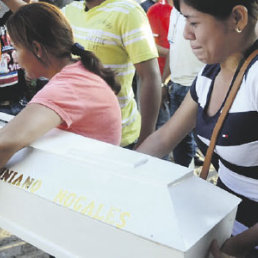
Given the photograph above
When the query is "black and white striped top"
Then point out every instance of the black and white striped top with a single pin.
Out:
(236, 151)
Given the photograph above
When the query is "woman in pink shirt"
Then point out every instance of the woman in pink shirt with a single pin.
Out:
(80, 95)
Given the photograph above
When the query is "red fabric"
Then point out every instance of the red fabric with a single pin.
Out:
(159, 15)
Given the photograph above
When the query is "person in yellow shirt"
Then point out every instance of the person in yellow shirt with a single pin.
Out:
(119, 34)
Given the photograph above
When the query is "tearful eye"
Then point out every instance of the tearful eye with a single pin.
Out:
(193, 24)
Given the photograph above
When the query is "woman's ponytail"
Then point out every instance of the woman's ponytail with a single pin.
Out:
(93, 64)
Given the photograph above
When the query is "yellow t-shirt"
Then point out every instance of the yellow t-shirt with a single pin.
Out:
(118, 32)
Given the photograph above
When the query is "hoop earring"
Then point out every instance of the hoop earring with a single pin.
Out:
(238, 30)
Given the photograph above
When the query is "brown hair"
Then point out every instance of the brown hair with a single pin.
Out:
(45, 24)
(221, 9)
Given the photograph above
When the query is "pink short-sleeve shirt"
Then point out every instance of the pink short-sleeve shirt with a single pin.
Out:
(85, 103)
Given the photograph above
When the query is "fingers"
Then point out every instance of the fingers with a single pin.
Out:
(215, 250)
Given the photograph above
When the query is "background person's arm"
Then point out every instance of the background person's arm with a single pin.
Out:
(150, 95)
(166, 72)
(30, 124)
(170, 134)
(162, 50)
(13, 5)
(165, 79)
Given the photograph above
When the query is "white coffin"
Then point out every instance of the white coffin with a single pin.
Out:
(76, 197)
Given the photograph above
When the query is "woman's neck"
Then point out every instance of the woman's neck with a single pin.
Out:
(230, 64)
(56, 65)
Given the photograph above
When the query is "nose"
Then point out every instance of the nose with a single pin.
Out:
(188, 32)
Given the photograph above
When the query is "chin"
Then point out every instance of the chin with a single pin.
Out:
(206, 60)
(203, 59)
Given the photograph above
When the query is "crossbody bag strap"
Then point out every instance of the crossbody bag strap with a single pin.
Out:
(228, 104)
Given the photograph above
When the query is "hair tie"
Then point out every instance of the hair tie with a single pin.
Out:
(77, 49)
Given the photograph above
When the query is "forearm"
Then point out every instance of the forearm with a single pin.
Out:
(170, 134)
(162, 50)
(243, 243)
(5, 155)
(166, 71)
(150, 99)
(8, 146)
(156, 144)
(13, 5)
(165, 139)
(30, 124)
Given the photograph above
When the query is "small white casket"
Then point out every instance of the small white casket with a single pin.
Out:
(76, 197)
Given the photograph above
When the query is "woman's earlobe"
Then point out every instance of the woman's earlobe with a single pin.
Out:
(238, 30)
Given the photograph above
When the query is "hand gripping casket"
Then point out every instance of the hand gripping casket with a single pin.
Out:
(76, 197)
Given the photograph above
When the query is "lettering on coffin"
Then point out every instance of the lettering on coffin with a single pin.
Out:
(15, 178)
(113, 216)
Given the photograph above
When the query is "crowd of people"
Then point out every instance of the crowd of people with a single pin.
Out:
(88, 53)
